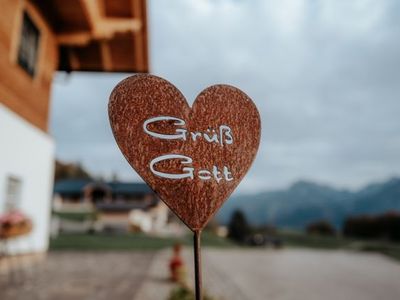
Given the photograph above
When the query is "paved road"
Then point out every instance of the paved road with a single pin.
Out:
(300, 275)
(79, 275)
(287, 274)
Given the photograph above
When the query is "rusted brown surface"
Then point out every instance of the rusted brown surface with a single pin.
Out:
(142, 97)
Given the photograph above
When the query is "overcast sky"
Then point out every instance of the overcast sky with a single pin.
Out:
(325, 76)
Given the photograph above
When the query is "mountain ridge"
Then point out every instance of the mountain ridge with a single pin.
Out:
(306, 201)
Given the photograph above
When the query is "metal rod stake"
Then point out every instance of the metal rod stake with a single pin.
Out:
(197, 264)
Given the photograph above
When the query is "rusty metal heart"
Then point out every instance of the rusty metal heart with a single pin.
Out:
(193, 158)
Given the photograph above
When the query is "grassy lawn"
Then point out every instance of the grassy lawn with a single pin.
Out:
(299, 239)
(133, 241)
(139, 241)
(76, 216)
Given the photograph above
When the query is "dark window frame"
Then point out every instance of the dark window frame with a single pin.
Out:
(29, 43)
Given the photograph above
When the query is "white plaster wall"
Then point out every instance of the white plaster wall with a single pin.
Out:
(27, 152)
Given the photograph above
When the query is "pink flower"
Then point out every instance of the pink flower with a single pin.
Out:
(12, 218)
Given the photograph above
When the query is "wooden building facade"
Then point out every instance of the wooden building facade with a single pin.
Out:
(37, 38)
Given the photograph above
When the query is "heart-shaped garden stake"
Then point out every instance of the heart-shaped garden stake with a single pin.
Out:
(193, 158)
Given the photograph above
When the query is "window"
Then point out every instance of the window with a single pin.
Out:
(29, 45)
(13, 192)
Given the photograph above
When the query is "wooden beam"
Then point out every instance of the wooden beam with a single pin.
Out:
(145, 37)
(103, 27)
(105, 31)
(137, 10)
(75, 38)
(92, 12)
(106, 56)
(108, 27)
(73, 60)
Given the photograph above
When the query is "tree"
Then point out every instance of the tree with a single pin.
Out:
(70, 171)
(321, 227)
(238, 228)
(385, 226)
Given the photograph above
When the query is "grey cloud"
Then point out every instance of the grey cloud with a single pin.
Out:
(324, 75)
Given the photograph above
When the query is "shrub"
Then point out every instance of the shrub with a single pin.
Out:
(386, 226)
(238, 228)
(321, 227)
(184, 293)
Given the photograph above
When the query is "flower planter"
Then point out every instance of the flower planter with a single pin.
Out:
(14, 224)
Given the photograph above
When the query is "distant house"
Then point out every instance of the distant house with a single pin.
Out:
(38, 38)
(119, 205)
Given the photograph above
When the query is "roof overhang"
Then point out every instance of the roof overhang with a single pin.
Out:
(99, 35)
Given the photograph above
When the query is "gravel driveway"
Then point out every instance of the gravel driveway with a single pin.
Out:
(80, 275)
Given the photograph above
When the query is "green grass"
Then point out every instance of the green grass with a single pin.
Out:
(140, 242)
(209, 239)
(133, 241)
(109, 242)
(299, 239)
(76, 216)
